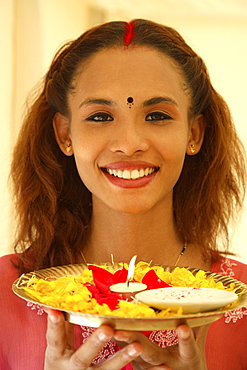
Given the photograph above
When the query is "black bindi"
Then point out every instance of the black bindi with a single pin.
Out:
(130, 101)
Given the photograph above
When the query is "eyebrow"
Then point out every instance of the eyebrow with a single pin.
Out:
(97, 101)
(159, 99)
(146, 103)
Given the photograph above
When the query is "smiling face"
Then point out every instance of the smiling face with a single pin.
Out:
(129, 128)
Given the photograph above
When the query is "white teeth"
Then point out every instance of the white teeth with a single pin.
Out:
(133, 175)
(126, 174)
(141, 173)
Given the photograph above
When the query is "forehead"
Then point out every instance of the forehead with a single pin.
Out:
(135, 71)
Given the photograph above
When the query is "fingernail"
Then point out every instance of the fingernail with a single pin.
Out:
(184, 334)
(54, 318)
(102, 336)
(132, 350)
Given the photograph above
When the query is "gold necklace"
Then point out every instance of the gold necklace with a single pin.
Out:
(175, 264)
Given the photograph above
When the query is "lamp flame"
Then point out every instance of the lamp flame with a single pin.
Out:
(131, 269)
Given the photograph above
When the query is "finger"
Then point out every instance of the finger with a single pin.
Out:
(123, 357)
(152, 354)
(84, 355)
(187, 347)
(56, 334)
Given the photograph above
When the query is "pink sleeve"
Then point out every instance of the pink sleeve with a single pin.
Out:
(227, 337)
(22, 330)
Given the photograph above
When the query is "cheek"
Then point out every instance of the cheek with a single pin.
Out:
(85, 146)
(87, 152)
(85, 170)
(173, 153)
(173, 146)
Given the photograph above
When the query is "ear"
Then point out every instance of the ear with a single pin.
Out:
(61, 129)
(196, 135)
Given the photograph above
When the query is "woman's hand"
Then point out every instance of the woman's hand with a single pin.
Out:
(60, 354)
(187, 355)
(143, 354)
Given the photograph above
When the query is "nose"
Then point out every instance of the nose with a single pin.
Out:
(129, 138)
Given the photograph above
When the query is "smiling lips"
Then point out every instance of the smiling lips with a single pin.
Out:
(127, 177)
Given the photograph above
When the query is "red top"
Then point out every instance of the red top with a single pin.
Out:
(23, 328)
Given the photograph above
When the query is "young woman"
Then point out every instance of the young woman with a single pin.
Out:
(128, 149)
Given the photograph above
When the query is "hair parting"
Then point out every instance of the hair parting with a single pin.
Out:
(129, 33)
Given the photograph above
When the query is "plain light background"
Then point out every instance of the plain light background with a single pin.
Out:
(32, 30)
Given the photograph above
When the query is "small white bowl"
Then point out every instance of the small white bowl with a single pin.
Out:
(128, 291)
(192, 300)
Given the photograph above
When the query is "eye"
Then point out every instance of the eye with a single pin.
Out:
(100, 117)
(158, 116)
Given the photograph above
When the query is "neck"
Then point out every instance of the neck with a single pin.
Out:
(152, 236)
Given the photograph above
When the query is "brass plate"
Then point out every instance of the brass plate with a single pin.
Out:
(121, 323)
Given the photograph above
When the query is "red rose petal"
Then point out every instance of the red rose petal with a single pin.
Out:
(103, 279)
(111, 299)
(153, 281)
(120, 276)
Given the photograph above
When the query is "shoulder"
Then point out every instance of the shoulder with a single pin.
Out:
(8, 269)
(8, 274)
(8, 262)
(232, 268)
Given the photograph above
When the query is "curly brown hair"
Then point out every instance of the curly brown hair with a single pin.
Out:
(52, 203)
